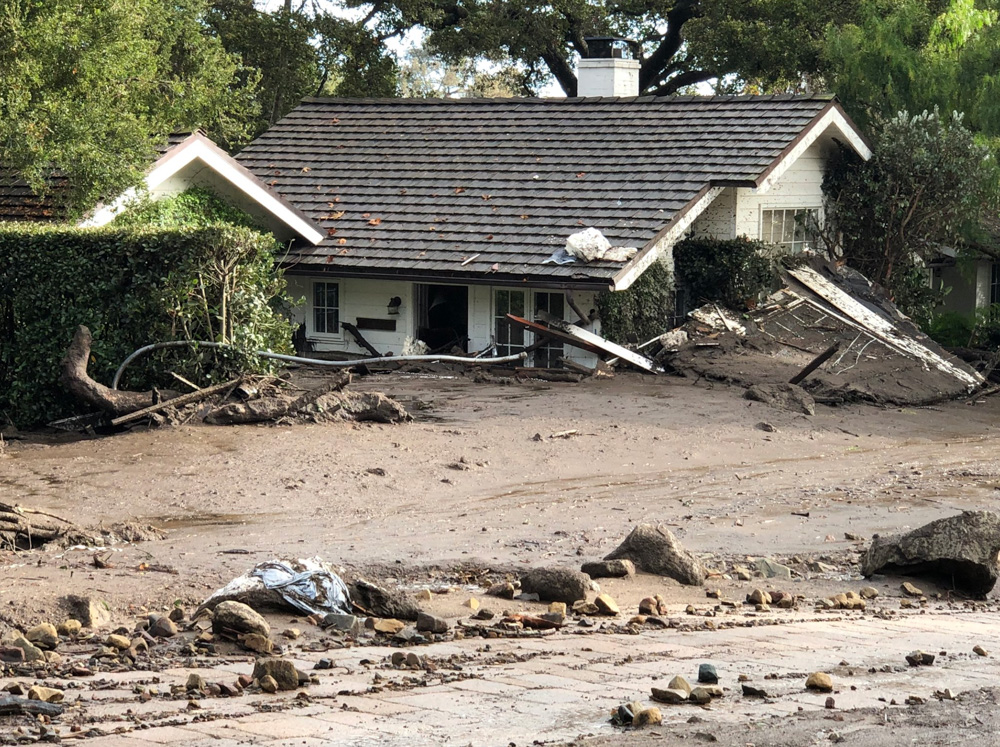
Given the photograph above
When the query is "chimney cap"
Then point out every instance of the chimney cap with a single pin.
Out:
(607, 47)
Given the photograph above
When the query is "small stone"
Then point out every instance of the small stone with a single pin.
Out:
(268, 684)
(707, 674)
(291, 633)
(919, 658)
(324, 663)
(770, 569)
(583, 607)
(347, 623)
(759, 596)
(424, 595)
(43, 635)
(472, 603)
(413, 661)
(503, 590)
(648, 606)
(648, 717)
(118, 642)
(869, 592)
(69, 628)
(820, 681)
(163, 627)
(45, 694)
(257, 643)
(980, 651)
(398, 658)
(233, 618)
(282, 670)
(484, 614)
(176, 614)
(749, 691)
(670, 695)
(679, 683)
(554, 617)
(388, 625)
(701, 695)
(910, 590)
(830, 703)
(431, 624)
(606, 604)
(31, 652)
(621, 568)
(742, 573)
(556, 584)
(195, 682)
(558, 607)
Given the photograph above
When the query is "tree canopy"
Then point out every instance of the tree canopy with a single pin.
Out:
(88, 88)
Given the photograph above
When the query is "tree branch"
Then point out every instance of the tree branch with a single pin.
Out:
(561, 70)
(671, 42)
(690, 78)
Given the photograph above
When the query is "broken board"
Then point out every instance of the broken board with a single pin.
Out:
(581, 338)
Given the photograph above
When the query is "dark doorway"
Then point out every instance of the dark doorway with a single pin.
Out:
(443, 316)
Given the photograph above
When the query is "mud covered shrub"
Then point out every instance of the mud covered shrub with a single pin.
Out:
(642, 311)
(131, 286)
(951, 329)
(731, 272)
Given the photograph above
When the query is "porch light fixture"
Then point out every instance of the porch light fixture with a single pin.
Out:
(394, 303)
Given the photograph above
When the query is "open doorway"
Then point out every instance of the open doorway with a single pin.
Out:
(443, 316)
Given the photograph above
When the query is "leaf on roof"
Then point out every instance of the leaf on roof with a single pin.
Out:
(331, 231)
(525, 217)
(490, 237)
(333, 216)
(486, 197)
(581, 174)
(329, 259)
(494, 267)
(432, 228)
(374, 221)
(341, 241)
(335, 201)
(306, 169)
(342, 252)
(403, 191)
(335, 121)
(272, 182)
(277, 172)
(366, 215)
(459, 190)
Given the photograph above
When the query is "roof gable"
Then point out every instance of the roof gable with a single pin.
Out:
(424, 186)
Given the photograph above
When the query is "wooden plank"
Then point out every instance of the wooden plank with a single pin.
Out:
(581, 338)
(184, 399)
(361, 339)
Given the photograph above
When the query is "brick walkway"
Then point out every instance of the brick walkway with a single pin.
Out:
(550, 689)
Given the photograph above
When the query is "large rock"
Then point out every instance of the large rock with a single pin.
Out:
(92, 613)
(609, 569)
(960, 550)
(556, 584)
(234, 618)
(654, 549)
(783, 397)
(43, 635)
(283, 671)
(382, 602)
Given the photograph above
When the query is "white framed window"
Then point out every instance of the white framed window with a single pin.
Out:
(326, 308)
(789, 228)
(548, 355)
(509, 337)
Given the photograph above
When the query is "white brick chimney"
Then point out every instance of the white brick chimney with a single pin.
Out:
(605, 72)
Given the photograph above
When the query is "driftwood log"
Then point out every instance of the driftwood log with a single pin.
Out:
(271, 408)
(12, 705)
(78, 382)
(18, 532)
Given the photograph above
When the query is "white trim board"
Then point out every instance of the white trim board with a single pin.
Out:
(200, 148)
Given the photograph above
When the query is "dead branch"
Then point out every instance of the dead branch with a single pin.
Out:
(184, 399)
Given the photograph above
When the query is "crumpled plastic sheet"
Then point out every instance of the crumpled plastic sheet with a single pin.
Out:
(308, 585)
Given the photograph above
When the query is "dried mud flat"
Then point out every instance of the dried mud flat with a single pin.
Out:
(480, 486)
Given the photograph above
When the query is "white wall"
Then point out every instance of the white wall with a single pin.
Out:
(801, 186)
(718, 220)
(370, 298)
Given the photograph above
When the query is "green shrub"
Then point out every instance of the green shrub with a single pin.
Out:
(641, 312)
(131, 286)
(731, 272)
(951, 329)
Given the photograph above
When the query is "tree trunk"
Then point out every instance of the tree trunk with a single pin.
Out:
(77, 381)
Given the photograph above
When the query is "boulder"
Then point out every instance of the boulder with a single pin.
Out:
(609, 568)
(382, 602)
(783, 397)
(45, 694)
(234, 618)
(162, 627)
(961, 550)
(91, 612)
(654, 549)
(283, 671)
(43, 635)
(69, 628)
(556, 584)
(606, 604)
(431, 624)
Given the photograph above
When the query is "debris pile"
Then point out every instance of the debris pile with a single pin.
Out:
(246, 399)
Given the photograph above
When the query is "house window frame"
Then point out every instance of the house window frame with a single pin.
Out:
(495, 317)
(339, 334)
(796, 245)
(552, 345)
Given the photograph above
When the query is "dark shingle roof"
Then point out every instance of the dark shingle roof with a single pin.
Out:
(423, 185)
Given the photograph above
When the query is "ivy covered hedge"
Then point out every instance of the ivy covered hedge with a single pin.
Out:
(131, 286)
(731, 272)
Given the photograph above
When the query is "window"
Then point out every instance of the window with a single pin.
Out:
(548, 355)
(326, 308)
(509, 338)
(789, 229)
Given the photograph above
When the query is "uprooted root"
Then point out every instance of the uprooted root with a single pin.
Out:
(19, 532)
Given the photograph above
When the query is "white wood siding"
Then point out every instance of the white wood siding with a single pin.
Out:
(801, 186)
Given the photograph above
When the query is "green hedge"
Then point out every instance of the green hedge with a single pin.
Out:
(131, 286)
(730, 272)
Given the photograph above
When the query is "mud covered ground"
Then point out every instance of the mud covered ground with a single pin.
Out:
(480, 486)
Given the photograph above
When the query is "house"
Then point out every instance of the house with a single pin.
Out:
(433, 219)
